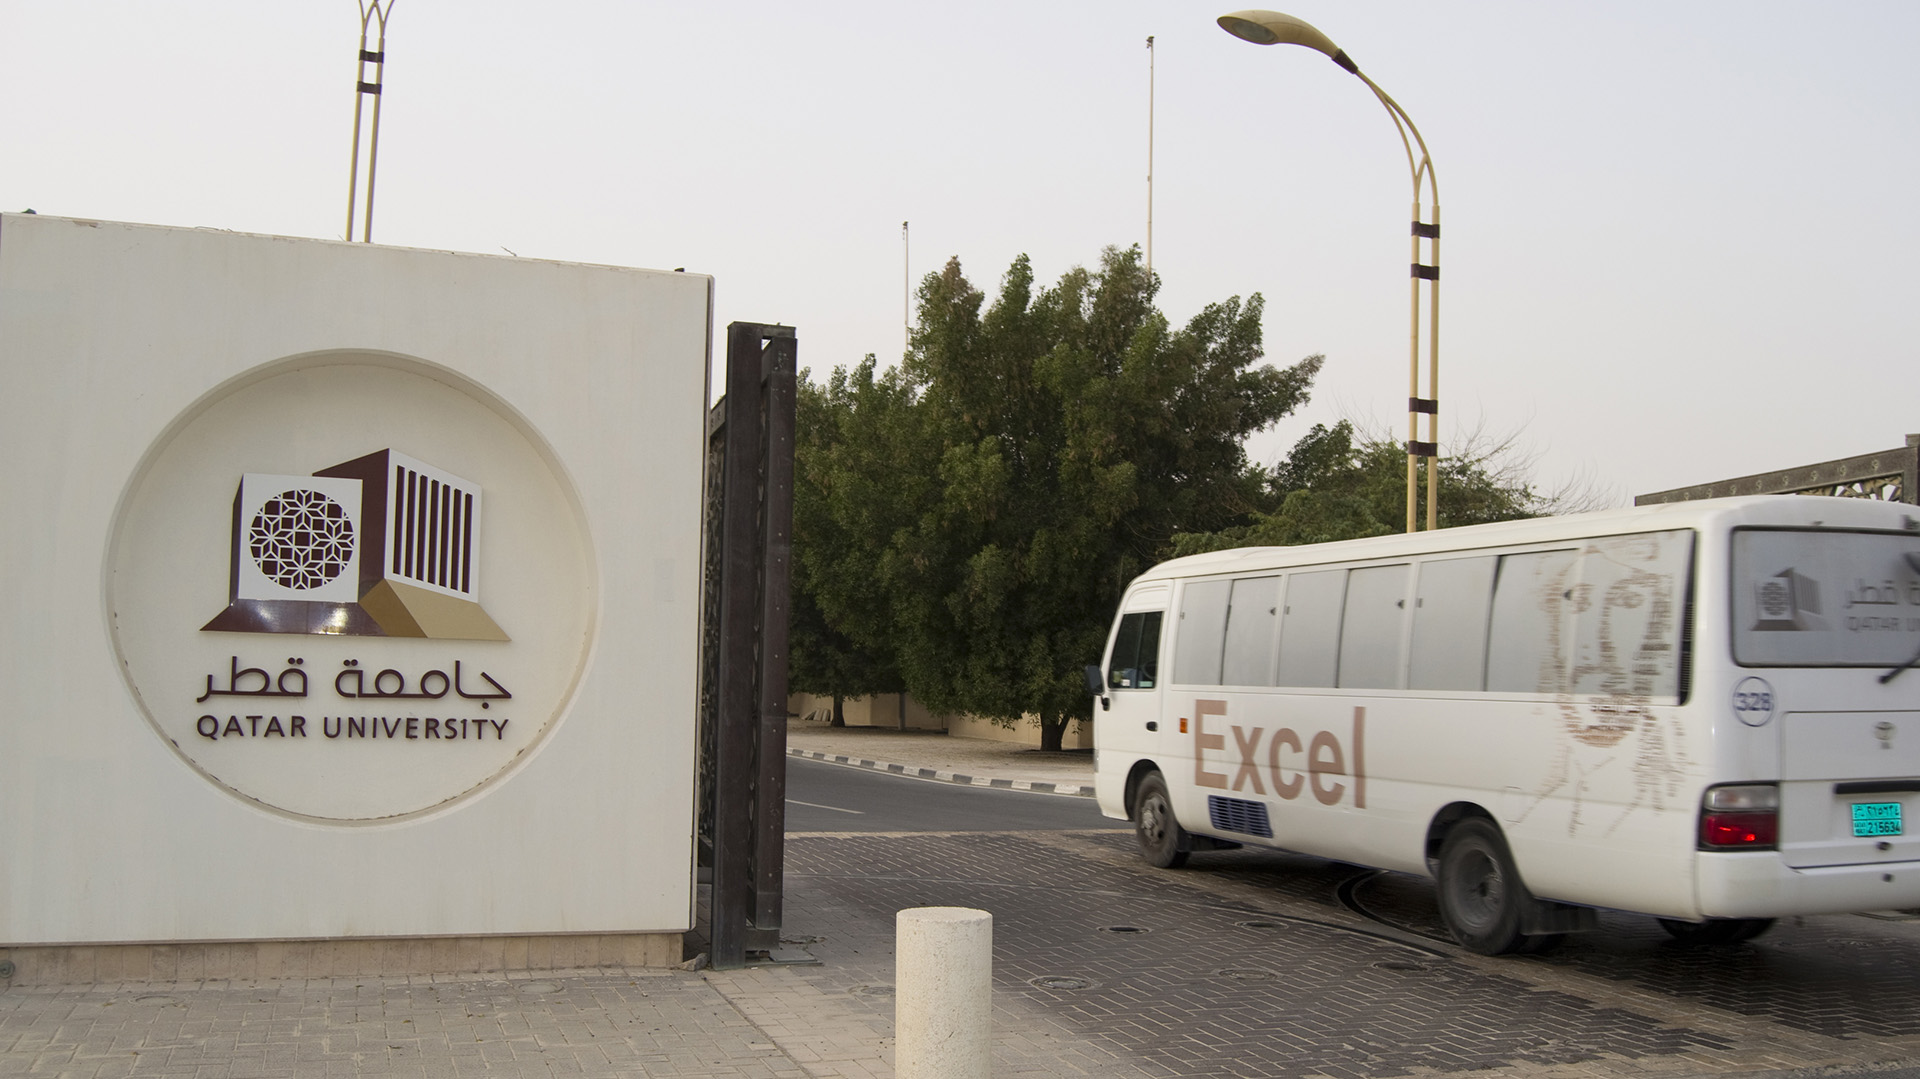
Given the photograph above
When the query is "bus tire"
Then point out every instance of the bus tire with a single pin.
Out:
(1481, 898)
(1715, 930)
(1163, 843)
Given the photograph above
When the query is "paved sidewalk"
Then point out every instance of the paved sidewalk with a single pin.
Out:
(977, 762)
(766, 1022)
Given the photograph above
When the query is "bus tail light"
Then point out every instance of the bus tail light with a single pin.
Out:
(1744, 816)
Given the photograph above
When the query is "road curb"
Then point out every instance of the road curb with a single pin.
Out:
(1072, 790)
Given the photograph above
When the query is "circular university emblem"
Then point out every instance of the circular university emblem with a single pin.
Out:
(400, 577)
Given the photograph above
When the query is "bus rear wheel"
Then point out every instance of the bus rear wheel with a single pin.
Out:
(1163, 843)
(1716, 930)
(1481, 898)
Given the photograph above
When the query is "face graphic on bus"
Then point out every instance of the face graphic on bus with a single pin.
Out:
(1612, 620)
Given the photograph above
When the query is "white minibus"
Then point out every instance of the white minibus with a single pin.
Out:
(1695, 711)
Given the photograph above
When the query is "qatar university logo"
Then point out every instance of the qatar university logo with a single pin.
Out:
(383, 545)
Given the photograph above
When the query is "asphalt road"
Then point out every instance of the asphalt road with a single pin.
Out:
(835, 798)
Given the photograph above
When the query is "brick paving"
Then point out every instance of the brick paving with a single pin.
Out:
(1249, 963)
(580, 1023)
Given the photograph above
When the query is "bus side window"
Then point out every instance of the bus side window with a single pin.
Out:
(1253, 632)
(1626, 625)
(1198, 642)
(1136, 652)
(1533, 600)
(1450, 607)
(1310, 628)
(1370, 630)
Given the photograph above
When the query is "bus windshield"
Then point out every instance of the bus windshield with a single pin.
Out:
(1825, 598)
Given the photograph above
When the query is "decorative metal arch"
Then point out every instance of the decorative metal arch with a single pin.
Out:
(1891, 475)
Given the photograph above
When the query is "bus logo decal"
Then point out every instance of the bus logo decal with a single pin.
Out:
(1787, 600)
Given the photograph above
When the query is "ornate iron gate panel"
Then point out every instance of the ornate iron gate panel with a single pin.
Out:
(1890, 475)
(741, 784)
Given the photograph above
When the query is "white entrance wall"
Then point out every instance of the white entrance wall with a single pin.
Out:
(172, 394)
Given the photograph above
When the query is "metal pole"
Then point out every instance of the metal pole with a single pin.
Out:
(1422, 171)
(1413, 390)
(353, 165)
(780, 366)
(906, 292)
(369, 13)
(1149, 157)
(1433, 375)
(1273, 28)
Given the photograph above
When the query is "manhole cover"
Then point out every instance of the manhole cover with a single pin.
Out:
(1247, 974)
(1122, 929)
(872, 990)
(539, 989)
(1057, 981)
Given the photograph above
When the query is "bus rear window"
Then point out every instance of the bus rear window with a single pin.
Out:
(1825, 598)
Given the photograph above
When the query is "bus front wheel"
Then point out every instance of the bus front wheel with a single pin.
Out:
(1163, 843)
(1481, 898)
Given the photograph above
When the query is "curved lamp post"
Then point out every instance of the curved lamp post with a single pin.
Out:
(1273, 28)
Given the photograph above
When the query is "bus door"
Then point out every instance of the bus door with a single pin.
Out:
(1131, 725)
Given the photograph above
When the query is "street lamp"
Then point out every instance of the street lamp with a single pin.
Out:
(1273, 28)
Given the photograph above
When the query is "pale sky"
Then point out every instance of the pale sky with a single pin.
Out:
(1677, 245)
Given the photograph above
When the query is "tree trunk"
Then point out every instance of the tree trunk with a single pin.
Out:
(1051, 732)
(839, 713)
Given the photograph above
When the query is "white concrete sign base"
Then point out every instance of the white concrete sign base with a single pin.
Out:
(352, 592)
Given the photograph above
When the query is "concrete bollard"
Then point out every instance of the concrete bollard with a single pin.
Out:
(943, 993)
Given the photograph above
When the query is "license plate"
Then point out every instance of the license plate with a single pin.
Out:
(1876, 818)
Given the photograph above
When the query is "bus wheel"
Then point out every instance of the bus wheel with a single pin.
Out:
(1163, 843)
(1481, 898)
(1716, 930)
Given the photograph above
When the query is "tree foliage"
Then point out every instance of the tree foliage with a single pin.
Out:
(1335, 484)
(967, 521)
(849, 500)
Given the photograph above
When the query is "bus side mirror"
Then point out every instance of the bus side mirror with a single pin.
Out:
(1097, 685)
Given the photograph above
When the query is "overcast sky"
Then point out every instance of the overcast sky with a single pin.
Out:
(1681, 239)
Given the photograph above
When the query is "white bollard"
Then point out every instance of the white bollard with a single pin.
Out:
(943, 993)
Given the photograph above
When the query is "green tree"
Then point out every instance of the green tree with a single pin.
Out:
(849, 499)
(1335, 484)
(1057, 443)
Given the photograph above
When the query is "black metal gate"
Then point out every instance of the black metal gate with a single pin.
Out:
(740, 788)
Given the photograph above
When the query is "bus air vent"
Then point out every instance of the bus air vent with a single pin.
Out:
(1239, 815)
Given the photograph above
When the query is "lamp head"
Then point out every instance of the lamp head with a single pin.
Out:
(1273, 28)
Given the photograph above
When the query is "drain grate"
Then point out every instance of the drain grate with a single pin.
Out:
(1060, 981)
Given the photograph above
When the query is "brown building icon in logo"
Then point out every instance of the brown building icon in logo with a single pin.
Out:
(380, 546)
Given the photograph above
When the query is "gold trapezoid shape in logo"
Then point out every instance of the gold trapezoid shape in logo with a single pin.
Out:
(405, 610)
